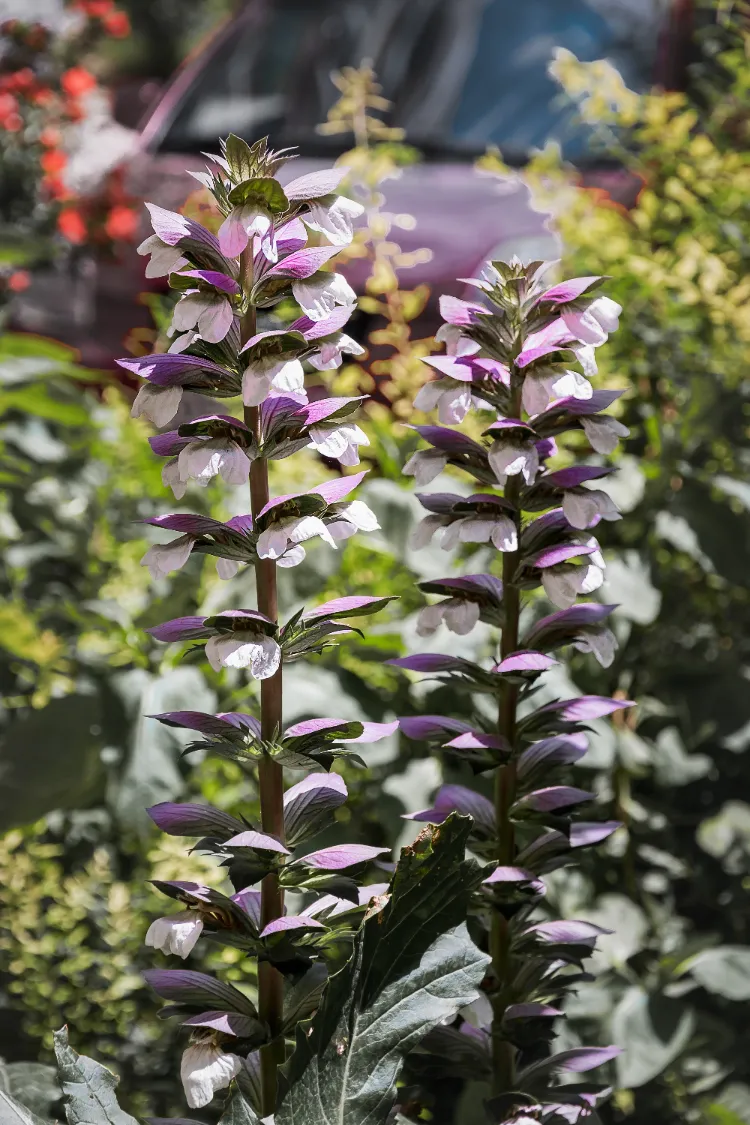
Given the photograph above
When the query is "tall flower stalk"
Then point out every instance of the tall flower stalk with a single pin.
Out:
(259, 258)
(525, 352)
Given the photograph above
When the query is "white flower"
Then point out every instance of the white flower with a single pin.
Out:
(339, 442)
(603, 432)
(170, 477)
(164, 259)
(182, 342)
(421, 535)
(318, 295)
(594, 324)
(352, 517)
(458, 615)
(210, 312)
(455, 342)
(202, 460)
(163, 558)
(158, 404)
(451, 397)
(332, 216)
(597, 640)
(330, 352)
(425, 465)
(272, 374)
(586, 356)
(563, 583)
(226, 568)
(479, 1013)
(205, 1069)
(273, 542)
(498, 530)
(542, 387)
(176, 934)
(292, 557)
(509, 457)
(239, 225)
(584, 507)
(244, 649)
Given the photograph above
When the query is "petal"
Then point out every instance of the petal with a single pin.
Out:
(504, 534)
(430, 619)
(425, 465)
(216, 320)
(163, 558)
(233, 238)
(226, 568)
(358, 513)
(158, 404)
(255, 387)
(461, 616)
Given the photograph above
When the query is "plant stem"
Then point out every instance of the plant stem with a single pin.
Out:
(270, 773)
(503, 1052)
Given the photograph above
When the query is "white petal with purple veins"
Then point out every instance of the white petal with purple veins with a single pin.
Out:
(164, 259)
(163, 558)
(504, 534)
(259, 654)
(177, 933)
(203, 460)
(170, 476)
(425, 465)
(227, 568)
(421, 535)
(318, 295)
(460, 616)
(205, 1068)
(429, 619)
(455, 342)
(339, 442)
(292, 557)
(600, 642)
(357, 512)
(158, 404)
(603, 433)
(585, 507)
(333, 216)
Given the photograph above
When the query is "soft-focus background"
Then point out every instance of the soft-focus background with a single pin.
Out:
(499, 129)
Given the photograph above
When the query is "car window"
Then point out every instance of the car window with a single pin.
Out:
(461, 74)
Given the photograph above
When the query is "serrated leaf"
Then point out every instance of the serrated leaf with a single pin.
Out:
(413, 966)
(13, 1113)
(239, 1111)
(89, 1088)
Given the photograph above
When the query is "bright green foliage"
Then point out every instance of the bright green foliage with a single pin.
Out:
(679, 265)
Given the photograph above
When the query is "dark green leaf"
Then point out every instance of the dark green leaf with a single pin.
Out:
(89, 1088)
(413, 966)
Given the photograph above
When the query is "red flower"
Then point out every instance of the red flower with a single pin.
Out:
(117, 24)
(18, 281)
(121, 224)
(8, 105)
(94, 8)
(42, 96)
(53, 161)
(77, 81)
(49, 136)
(71, 225)
(23, 80)
(12, 123)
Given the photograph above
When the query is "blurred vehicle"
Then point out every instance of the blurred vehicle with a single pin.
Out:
(460, 74)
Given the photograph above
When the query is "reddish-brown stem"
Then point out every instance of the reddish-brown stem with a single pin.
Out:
(270, 773)
(503, 1052)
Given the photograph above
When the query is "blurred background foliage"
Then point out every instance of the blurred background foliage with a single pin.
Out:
(80, 759)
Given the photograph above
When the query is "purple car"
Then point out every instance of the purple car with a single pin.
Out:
(461, 75)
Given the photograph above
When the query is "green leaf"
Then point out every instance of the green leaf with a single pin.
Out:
(13, 1113)
(50, 759)
(652, 1031)
(239, 1112)
(413, 967)
(34, 1084)
(261, 190)
(724, 970)
(89, 1088)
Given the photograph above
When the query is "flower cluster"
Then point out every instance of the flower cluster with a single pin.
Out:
(260, 257)
(525, 352)
(48, 108)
